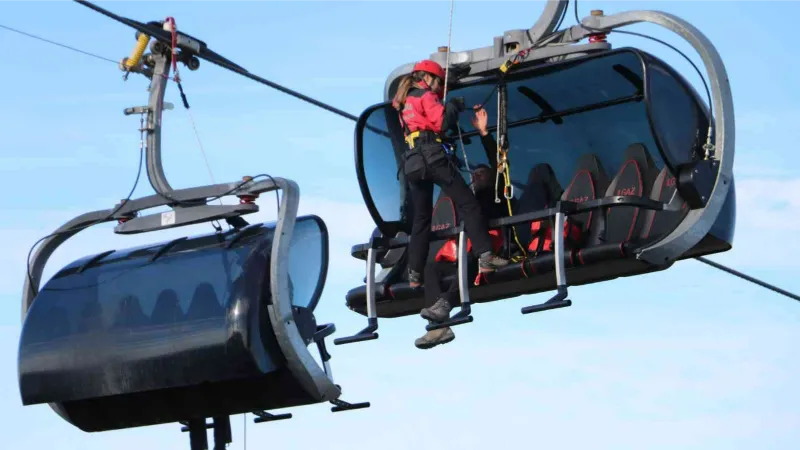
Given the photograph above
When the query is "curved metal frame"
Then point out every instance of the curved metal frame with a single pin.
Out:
(698, 222)
(298, 358)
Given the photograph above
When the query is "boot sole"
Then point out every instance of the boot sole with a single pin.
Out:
(433, 318)
(430, 345)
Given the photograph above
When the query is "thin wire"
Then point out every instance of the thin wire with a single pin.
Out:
(105, 219)
(200, 143)
(60, 45)
(245, 431)
(748, 278)
(447, 64)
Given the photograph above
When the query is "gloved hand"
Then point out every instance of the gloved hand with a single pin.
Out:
(459, 103)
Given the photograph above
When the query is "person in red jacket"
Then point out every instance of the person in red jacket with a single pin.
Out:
(425, 120)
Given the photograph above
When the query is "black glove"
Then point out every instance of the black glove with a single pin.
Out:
(459, 103)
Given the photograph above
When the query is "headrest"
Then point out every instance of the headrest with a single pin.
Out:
(636, 175)
(205, 291)
(444, 214)
(634, 178)
(130, 313)
(590, 179)
(542, 189)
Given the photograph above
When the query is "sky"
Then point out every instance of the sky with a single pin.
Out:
(687, 358)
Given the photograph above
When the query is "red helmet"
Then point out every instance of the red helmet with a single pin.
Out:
(431, 67)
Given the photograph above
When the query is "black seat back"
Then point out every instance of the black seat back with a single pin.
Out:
(444, 217)
(589, 182)
(635, 177)
(167, 309)
(205, 303)
(657, 224)
(129, 313)
(542, 191)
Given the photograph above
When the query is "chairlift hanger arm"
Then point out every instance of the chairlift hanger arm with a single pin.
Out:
(548, 22)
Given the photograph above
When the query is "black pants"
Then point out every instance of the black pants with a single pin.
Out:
(436, 287)
(421, 182)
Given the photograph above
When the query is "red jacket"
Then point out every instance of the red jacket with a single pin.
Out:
(424, 111)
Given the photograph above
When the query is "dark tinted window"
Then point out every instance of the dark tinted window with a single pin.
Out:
(680, 125)
(380, 161)
(307, 257)
(195, 280)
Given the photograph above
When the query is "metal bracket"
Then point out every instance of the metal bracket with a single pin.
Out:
(465, 314)
(560, 299)
(368, 333)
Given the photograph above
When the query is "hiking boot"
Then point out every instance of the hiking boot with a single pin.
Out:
(433, 338)
(414, 278)
(439, 312)
(489, 262)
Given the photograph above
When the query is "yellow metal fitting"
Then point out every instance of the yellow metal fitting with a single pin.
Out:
(138, 51)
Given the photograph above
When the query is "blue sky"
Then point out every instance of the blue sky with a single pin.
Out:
(687, 358)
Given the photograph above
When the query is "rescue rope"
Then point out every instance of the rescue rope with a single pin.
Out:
(447, 63)
(503, 166)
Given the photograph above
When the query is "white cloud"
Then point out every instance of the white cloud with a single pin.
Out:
(767, 223)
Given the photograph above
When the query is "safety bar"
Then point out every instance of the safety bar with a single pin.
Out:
(564, 206)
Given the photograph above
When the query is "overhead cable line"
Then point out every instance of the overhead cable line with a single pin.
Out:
(59, 44)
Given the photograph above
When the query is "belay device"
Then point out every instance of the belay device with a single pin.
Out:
(180, 331)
